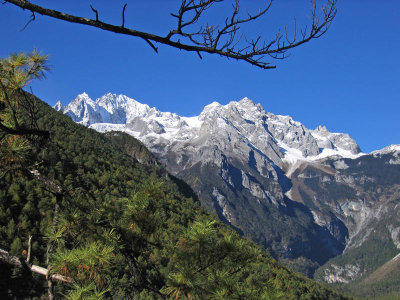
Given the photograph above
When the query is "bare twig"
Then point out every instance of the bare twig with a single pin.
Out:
(30, 20)
(151, 45)
(123, 15)
(96, 12)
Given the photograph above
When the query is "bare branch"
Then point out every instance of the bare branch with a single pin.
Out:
(20, 263)
(52, 186)
(30, 20)
(28, 256)
(224, 40)
(151, 45)
(96, 12)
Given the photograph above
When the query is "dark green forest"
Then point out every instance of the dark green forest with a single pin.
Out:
(99, 212)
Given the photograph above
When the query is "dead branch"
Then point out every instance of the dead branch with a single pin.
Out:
(20, 263)
(28, 255)
(32, 18)
(225, 40)
(52, 186)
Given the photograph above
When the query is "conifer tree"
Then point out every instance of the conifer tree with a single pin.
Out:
(18, 126)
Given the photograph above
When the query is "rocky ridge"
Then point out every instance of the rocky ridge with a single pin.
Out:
(276, 137)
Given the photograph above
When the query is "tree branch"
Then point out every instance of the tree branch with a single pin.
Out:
(24, 131)
(151, 45)
(9, 105)
(53, 187)
(210, 39)
(20, 263)
(96, 12)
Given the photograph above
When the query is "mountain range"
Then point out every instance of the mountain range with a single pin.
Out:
(311, 197)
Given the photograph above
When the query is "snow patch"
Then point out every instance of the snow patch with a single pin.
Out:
(387, 150)
(335, 152)
(397, 257)
(317, 219)
(193, 121)
(107, 127)
(294, 157)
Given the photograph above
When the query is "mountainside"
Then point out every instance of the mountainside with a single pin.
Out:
(123, 228)
(308, 195)
(370, 209)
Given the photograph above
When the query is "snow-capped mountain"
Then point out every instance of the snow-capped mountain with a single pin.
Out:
(307, 195)
(107, 109)
(279, 138)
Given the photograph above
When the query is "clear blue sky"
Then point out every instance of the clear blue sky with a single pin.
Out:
(348, 80)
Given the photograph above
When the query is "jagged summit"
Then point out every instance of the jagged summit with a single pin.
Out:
(238, 122)
(58, 106)
(110, 108)
(388, 149)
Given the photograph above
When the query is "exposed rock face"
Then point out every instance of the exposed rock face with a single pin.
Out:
(337, 274)
(365, 195)
(302, 193)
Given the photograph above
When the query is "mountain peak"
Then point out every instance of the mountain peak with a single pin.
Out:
(321, 128)
(212, 105)
(246, 104)
(83, 98)
(58, 106)
(210, 109)
(83, 95)
(246, 100)
(388, 149)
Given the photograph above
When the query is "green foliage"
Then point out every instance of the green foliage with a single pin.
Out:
(212, 263)
(87, 292)
(85, 264)
(17, 112)
(19, 69)
(377, 249)
(132, 147)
